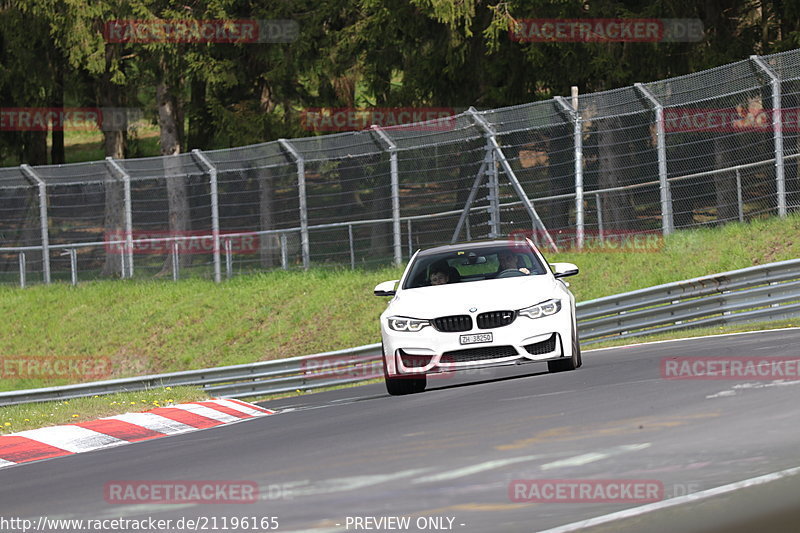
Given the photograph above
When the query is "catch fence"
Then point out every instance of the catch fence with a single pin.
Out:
(707, 148)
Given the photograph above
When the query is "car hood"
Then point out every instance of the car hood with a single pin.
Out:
(459, 298)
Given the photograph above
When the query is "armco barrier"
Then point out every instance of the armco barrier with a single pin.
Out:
(765, 292)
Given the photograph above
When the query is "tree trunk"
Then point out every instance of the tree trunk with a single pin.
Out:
(35, 147)
(57, 155)
(114, 145)
(725, 182)
(169, 122)
(350, 181)
(561, 175)
(199, 120)
(267, 243)
(617, 211)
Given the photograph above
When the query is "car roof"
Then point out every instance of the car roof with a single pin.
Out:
(472, 245)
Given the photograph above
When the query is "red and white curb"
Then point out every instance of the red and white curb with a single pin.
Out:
(57, 441)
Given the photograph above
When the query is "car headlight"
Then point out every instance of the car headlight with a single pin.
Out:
(546, 308)
(401, 323)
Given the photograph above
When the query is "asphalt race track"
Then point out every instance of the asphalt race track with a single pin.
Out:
(349, 460)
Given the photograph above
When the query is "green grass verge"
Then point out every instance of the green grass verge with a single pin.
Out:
(14, 418)
(139, 327)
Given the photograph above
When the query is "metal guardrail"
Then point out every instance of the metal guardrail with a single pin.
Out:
(769, 291)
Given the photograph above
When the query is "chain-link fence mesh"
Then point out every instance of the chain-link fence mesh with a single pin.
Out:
(707, 148)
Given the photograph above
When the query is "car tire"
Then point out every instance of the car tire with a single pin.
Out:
(576, 343)
(563, 365)
(401, 386)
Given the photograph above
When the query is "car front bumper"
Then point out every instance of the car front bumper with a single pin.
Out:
(430, 351)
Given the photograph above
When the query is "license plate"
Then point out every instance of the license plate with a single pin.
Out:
(476, 338)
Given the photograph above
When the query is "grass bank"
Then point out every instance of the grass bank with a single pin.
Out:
(138, 327)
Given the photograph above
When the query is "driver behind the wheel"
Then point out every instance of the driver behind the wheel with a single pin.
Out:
(508, 261)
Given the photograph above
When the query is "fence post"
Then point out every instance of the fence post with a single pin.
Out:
(36, 180)
(512, 177)
(175, 266)
(777, 132)
(126, 183)
(739, 200)
(410, 240)
(301, 187)
(577, 142)
(667, 223)
(73, 265)
(22, 267)
(395, 176)
(352, 250)
(212, 178)
(284, 253)
(228, 259)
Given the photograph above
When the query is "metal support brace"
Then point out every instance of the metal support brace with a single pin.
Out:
(473, 193)
(126, 183)
(577, 141)
(493, 186)
(36, 180)
(512, 177)
(667, 223)
(777, 131)
(398, 251)
(301, 186)
(212, 178)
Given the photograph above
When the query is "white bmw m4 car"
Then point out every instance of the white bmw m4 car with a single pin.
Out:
(474, 305)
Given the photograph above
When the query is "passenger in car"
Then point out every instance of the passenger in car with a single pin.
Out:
(440, 274)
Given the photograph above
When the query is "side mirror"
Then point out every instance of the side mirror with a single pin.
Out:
(386, 288)
(562, 270)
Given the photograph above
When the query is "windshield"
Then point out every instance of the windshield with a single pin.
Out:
(473, 264)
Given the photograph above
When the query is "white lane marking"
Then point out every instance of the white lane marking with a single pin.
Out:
(71, 438)
(691, 339)
(672, 502)
(515, 398)
(751, 385)
(334, 485)
(153, 422)
(474, 469)
(207, 412)
(3, 463)
(586, 458)
(721, 394)
(239, 407)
